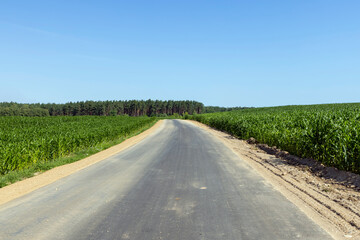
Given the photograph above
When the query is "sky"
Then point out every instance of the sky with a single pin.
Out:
(222, 53)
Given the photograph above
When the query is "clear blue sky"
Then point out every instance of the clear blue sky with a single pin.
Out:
(225, 53)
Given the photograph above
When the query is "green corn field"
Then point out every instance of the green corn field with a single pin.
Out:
(27, 140)
(328, 133)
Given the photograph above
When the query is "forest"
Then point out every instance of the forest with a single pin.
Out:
(103, 108)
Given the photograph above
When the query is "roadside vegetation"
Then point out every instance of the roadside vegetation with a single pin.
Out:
(37, 137)
(34, 144)
(329, 133)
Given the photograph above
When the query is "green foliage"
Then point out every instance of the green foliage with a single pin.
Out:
(13, 109)
(213, 109)
(186, 115)
(103, 108)
(329, 133)
(176, 116)
(25, 141)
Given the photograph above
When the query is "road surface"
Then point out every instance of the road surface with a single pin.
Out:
(178, 183)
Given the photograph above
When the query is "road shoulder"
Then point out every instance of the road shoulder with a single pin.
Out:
(28, 185)
(330, 204)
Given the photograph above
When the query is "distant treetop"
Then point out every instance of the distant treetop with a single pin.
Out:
(103, 108)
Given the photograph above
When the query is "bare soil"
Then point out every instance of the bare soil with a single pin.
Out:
(328, 196)
(28, 185)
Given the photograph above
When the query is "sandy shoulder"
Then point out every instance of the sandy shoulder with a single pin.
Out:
(28, 185)
(330, 203)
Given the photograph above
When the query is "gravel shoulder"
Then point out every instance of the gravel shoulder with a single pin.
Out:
(28, 185)
(330, 197)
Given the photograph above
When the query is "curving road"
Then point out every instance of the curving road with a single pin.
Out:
(178, 183)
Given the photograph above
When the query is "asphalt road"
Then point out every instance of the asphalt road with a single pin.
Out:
(178, 183)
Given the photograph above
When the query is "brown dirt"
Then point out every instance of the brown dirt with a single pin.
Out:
(330, 197)
(28, 185)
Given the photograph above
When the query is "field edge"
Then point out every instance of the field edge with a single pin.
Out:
(31, 179)
(336, 219)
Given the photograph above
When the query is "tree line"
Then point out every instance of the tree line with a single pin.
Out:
(15, 109)
(214, 109)
(103, 108)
